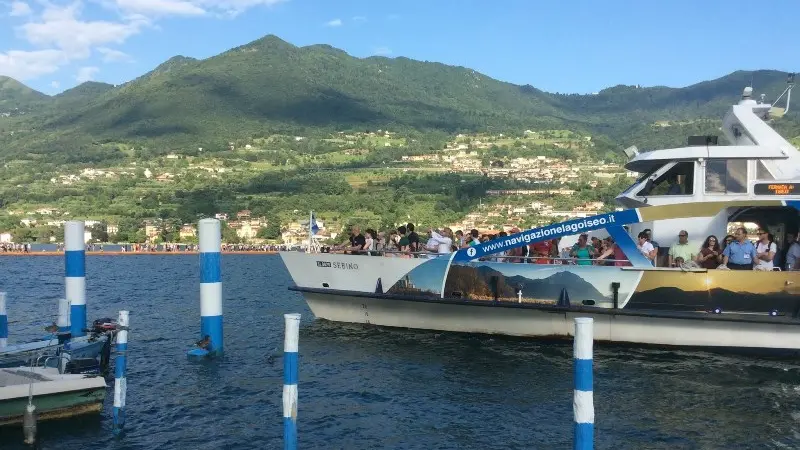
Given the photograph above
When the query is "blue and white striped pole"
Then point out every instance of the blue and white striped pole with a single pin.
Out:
(290, 371)
(75, 275)
(62, 322)
(583, 397)
(120, 381)
(211, 284)
(3, 321)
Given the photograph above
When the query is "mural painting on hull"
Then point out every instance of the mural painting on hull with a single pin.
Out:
(730, 290)
(536, 283)
(424, 280)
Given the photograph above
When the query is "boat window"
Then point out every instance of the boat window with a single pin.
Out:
(762, 173)
(679, 180)
(726, 176)
(642, 177)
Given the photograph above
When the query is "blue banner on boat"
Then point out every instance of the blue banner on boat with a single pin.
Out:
(554, 231)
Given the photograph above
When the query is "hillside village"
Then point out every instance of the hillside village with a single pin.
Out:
(514, 158)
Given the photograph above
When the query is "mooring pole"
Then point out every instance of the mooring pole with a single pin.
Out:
(75, 275)
(211, 336)
(583, 397)
(3, 321)
(120, 367)
(62, 322)
(290, 374)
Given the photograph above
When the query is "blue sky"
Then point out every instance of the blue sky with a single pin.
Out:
(578, 46)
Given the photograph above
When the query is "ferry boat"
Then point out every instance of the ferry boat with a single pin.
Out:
(755, 179)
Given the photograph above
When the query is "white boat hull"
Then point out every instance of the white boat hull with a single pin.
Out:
(526, 321)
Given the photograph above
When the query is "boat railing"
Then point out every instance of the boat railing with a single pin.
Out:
(60, 357)
(498, 258)
(50, 351)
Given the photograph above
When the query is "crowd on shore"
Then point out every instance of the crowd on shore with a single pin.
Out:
(15, 248)
(143, 248)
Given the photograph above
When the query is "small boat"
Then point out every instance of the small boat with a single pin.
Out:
(701, 189)
(55, 395)
(84, 354)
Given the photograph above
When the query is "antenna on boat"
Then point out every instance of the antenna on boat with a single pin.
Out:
(787, 92)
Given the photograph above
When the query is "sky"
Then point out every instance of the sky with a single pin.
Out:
(578, 46)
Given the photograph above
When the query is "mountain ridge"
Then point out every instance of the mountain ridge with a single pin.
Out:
(272, 86)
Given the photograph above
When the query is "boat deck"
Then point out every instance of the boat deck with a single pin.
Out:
(12, 377)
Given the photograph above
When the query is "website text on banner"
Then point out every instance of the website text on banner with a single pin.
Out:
(554, 231)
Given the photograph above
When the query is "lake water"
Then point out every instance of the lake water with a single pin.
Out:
(363, 387)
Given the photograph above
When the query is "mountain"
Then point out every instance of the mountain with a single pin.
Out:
(16, 97)
(85, 91)
(271, 86)
(664, 298)
(477, 281)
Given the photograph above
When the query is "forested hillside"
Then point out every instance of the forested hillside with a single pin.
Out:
(270, 86)
(277, 129)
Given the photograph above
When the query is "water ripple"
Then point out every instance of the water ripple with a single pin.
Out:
(363, 387)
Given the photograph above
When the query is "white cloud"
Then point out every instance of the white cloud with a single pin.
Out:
(334, 23)
(23, 65)
(233, 8)
(86, 74)
(382, 51)
(55, 84)
(20, 9)
(111, 55)
(160, 7)
(60, 35)
(60, 27)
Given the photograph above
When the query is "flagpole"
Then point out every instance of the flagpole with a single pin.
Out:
(310, 231)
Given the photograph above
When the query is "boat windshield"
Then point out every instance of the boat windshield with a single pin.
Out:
(641, 179)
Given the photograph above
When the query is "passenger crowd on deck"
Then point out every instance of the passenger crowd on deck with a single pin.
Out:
(734, 252)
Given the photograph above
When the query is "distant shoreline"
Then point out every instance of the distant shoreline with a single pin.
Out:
(118, 253)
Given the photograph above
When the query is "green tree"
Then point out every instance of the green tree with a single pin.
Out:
(99, 232)
(272, 231)
(229, 235)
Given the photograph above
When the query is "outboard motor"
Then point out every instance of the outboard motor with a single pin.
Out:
(103, 325)
(82, 366)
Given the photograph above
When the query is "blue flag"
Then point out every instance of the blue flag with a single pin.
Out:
(314, 226)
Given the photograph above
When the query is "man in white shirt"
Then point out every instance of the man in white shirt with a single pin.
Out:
(443, 239)
(646, 248)
(765, 251)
